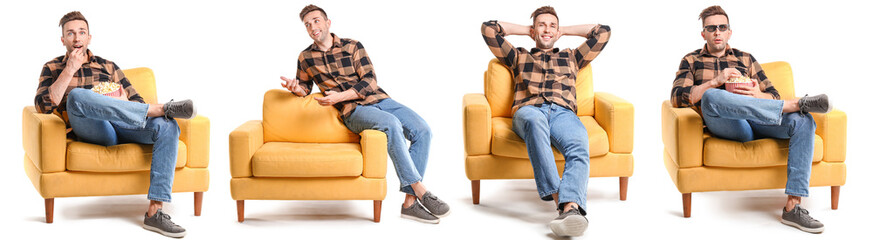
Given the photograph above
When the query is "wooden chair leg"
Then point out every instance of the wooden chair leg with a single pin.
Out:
(198, 203)
(240, 210)
(686, 204)
(835, 197)
(475, 186)
(377, 210)
(622, 188)
(49, 210)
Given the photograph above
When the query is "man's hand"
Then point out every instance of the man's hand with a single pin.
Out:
(727, 73)
(752, 91)
(75, 60)
(331, 97)
(293, 85)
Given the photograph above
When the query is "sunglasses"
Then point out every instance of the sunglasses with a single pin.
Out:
(721, 28)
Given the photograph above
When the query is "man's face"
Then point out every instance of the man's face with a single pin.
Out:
(545, 30)
(76, 35)
(716, 40)
(317, 26)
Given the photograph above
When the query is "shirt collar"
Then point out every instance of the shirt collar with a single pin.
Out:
(536, 50)
(336, 43)
(705, 50)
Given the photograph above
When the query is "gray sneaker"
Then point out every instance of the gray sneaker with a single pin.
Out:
(418, 213)
(180, 109)
(569, 224)
(161, 223)
(818, 104)
(799, 218)
(436, 206)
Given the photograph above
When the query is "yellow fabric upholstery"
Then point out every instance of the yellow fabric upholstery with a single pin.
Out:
(284, 159)
(302, 151)
(128, 157)
(699, 162)
(288, 118)
(61, 167)
(494, 151)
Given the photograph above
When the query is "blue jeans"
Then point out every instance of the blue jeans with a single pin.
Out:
(107, 121)
(742, 118)
(399, 123)
(547, 125)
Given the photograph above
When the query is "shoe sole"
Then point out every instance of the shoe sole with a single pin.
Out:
(162, 232)
(435, 221)
(572, 226)
(443, 215)
(802, 228)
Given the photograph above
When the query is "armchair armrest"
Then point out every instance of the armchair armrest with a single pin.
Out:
(682, 133)
(374, 147)
(195, 134)
(832, 129)
(616, 116)
(477, 124)
(244, 141)
(44, 137)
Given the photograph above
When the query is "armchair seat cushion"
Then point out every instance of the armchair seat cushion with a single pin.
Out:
(765, 152)
(128, 157)
(286, 159)
(504, 141)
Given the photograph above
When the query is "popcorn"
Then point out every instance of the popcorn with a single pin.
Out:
(111, 89)
(733, 83)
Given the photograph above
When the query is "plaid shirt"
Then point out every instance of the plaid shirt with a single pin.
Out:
(699, 67)
(344, 66)
(93, 71)
(542, 76)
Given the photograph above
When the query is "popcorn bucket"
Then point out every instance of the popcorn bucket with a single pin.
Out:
(732, 86)
(116, 93)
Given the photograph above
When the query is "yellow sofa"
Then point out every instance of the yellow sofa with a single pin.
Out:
(494, 151)
(62, 167)
(699, 162)
(302, 151)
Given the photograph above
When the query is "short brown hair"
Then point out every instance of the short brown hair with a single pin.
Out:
(309, 8)
(544, 10)
(73, 16)
(712, 11)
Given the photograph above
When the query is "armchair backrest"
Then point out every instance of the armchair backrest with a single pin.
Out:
(143, 80)
(780, 75)
(499, 90)
(289, 118)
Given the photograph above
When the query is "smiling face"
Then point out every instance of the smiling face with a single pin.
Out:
(716, 41)
(545, 30)
(76, 35)
(317, 26)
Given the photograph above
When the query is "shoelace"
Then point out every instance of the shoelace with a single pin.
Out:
(805, 215)
(167, 109)
(166, 218)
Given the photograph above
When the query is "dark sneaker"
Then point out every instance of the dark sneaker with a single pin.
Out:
(436, 206)
(569, 224)
(180, 109)
(418, 213)
(160, 223)
(818, 104)
(799, 218)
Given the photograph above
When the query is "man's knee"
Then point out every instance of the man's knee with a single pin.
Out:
(530, 118)
(166, 126)
(801, 122)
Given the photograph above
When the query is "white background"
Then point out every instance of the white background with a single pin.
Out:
(225, 55)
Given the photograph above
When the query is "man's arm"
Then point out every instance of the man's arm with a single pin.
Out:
(598, 35)
(685, 93)
(59, 87)
(493, 32)
(130, 93)
(366, 74)
(43, 100)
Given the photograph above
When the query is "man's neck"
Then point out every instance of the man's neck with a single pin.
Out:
(717, 54)
(325, 45)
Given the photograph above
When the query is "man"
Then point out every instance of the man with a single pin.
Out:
(344, 73)
(65, 89)
(544, 107)
(749, 112)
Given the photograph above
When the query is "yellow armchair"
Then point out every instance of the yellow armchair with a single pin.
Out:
(302, 151)
(494, 151)
(61, 167)
(698, 161)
